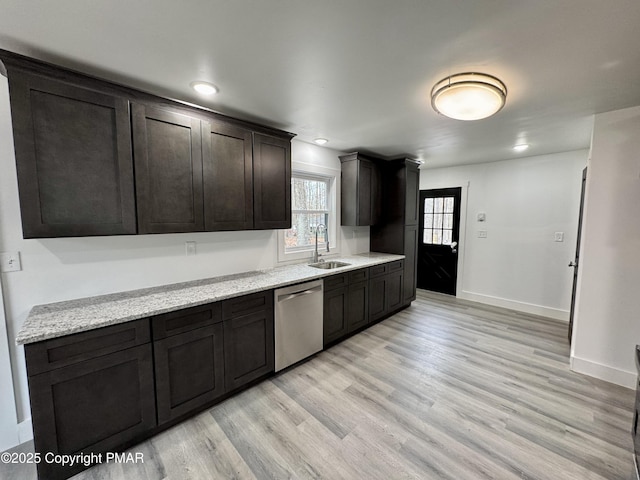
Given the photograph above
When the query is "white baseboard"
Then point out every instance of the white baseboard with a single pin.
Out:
(604, 372)
(531, 308)
(25, 431)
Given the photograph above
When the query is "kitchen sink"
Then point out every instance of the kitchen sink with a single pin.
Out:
(328, 265)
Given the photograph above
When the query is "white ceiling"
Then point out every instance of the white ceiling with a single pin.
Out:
(358, 72)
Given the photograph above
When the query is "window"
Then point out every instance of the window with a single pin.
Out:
(438, 221)
(310, 208)
(314, 201)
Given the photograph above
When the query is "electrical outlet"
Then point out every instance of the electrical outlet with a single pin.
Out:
(559, 236)
(10, 262)
(482, 234)
(190, 248)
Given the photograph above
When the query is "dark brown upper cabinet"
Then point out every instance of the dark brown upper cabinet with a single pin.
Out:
(195, 169)
(168, 165)
(73, 157)
(228, 176)
(271, 182)
(360, 190)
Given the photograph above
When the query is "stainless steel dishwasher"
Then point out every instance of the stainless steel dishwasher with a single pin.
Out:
(298, 328)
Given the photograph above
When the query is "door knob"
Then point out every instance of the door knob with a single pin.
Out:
(573, 264)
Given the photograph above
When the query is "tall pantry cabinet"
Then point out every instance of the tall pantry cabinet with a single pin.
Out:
(397, 231)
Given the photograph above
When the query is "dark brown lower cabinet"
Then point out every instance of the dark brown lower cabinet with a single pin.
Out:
(248, 338)
(189, 371)
(346, 304)
(386, 289)
(393, 291)
(376, 298)
(357, 306)
(335, 314)
(97, 405)
(96, 391)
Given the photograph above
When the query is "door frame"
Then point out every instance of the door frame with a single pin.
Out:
(577, 259)
(462, 233)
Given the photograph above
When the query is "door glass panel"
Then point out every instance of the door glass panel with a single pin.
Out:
(448, 205)
(448, 221)
(428, 221)
(438, 220)
(428, 205)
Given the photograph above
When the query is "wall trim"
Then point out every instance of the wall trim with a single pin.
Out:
(603, 372)
(25, 431)
(555, 313)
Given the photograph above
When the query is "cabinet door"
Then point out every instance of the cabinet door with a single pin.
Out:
(271, 182)
(248, 348)
(73, 155)
(368, 193)
(410, 264)
(228, 177)
(168, 158)
(393, 292)
(412, 192)
(189, 371)
(377, 298)
(357, 306)
(93, 406)
(335, 314)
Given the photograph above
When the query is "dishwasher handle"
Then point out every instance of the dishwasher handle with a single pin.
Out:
(286, 297)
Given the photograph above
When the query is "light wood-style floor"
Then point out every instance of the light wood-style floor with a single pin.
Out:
(445, 389)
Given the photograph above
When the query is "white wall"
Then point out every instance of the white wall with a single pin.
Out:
(62, 269)
(527, 200)
(607, 320)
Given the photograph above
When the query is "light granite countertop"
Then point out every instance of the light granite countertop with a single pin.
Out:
(64, 318)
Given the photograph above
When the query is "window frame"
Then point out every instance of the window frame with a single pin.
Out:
(332, 177)
(327, 212)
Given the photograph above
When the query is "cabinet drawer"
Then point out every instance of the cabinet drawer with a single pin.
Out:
(378, 270)
(247, 304)
(358, 276)
(173, 323)
(395, 266)
(60, 352)
(336, 281)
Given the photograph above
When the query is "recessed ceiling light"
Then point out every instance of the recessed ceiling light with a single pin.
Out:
(321, 141)
(521, 147)
(468, 96)
(204, 88)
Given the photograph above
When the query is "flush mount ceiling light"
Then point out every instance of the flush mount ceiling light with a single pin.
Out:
(204, 88)
(468, 96)
(321, 141)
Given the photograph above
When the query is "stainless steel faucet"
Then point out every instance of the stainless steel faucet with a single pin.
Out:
(315, 252)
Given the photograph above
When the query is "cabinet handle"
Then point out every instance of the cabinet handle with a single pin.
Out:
(284, 298)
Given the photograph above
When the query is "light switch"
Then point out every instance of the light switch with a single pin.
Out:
(482, 234)
(190, 248)
(559, 236)
(10, 262)
(482, 217)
